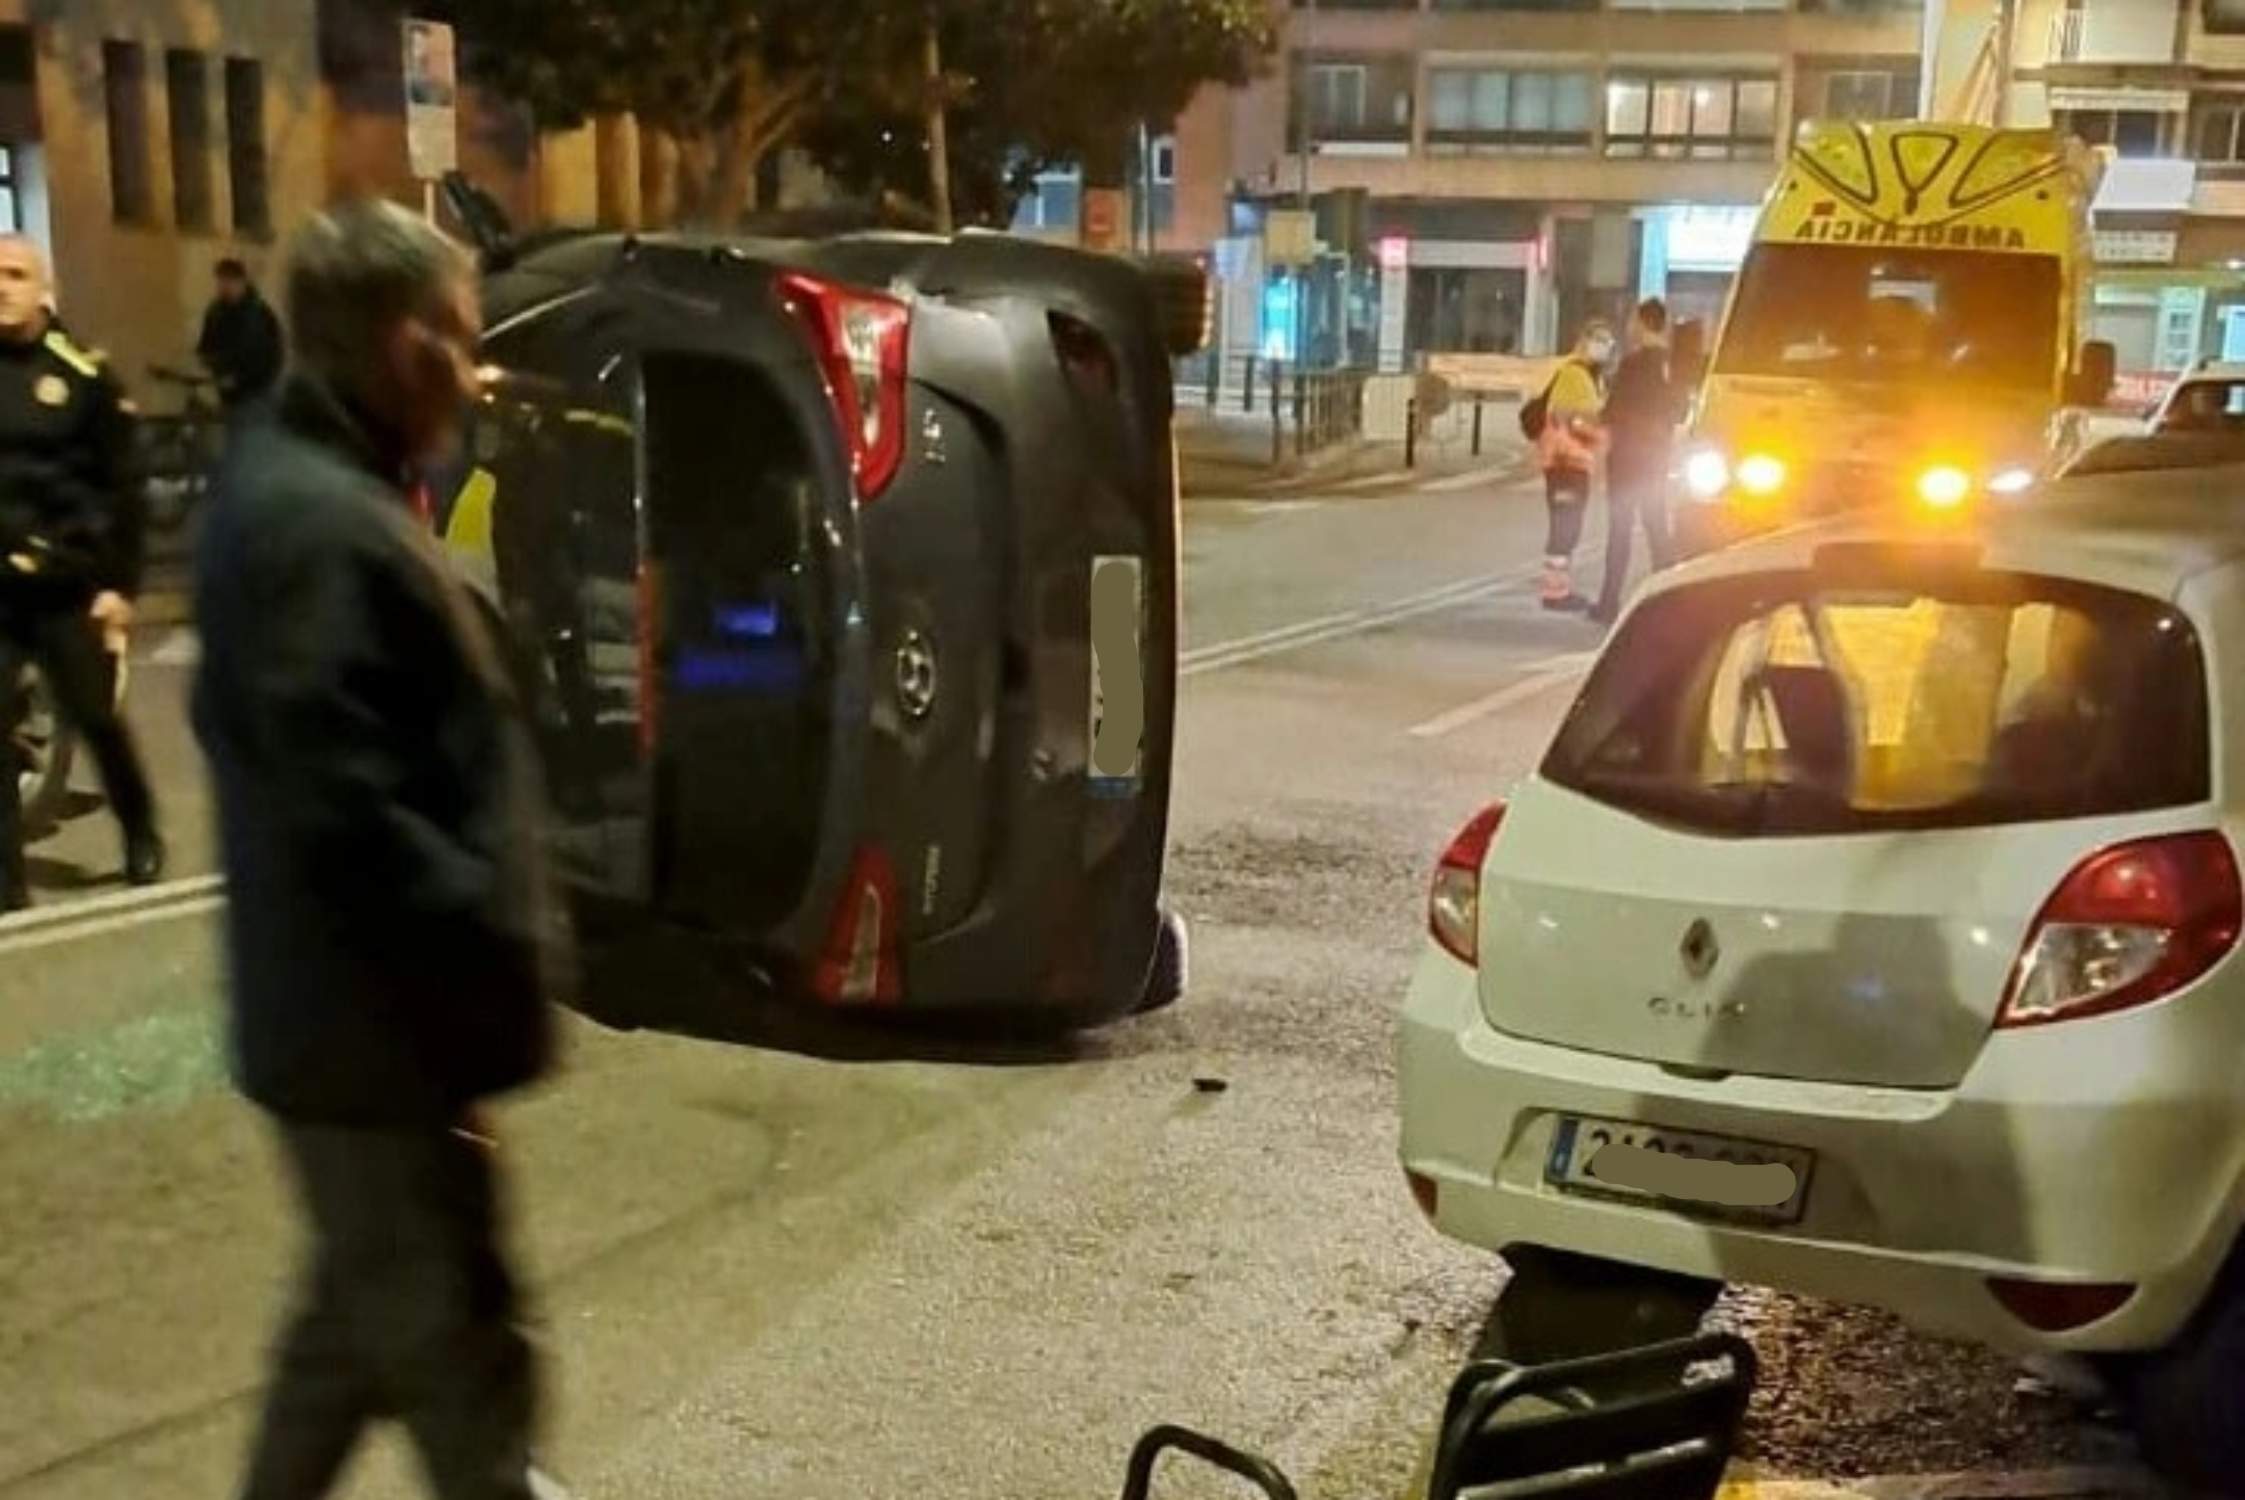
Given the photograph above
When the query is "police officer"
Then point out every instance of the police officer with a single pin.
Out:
(70, 556)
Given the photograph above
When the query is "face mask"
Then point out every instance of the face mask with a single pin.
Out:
(1599, 350)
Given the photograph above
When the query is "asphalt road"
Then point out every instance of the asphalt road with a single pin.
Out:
(925, 1271)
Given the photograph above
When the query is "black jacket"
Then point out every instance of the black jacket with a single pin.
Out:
(1641, 413)
(241, 345)
(393, 937)
(71, 518)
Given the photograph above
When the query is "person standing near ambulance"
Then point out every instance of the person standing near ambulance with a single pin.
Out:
(1568, 446)
(71, 547)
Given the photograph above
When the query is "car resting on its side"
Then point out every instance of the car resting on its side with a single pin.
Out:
(817, 560)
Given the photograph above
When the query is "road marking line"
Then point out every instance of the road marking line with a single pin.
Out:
(1471, 479)
(1334, 627)
(183, 648)
(112, 904)
(14, 942)
(1542, 677)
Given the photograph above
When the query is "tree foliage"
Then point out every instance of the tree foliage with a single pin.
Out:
(1027, 83)
(1022, 81)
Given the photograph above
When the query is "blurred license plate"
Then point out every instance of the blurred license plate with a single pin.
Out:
(1717, 1173)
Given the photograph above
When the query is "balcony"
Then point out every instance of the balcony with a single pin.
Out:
(2115, 31)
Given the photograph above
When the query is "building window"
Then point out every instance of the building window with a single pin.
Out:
(245, 146)
(187, 90)
(1869, 95)
(1712, 119)
(1526, 111)
(1336, 93)
(11, 202)
(2130, 132)
(1165, 159)
(1054, 201)
(2215, 135)
(2225, 17)
(124, 72)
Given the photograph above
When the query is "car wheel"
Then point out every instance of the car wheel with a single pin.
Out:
(2187, 1401)
(41, 751)
(1165, 982)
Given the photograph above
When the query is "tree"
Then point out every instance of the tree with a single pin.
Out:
(1021, 82)
(727, 80)
(1029, 83)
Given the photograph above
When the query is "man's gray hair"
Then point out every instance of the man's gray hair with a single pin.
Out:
(355, 272)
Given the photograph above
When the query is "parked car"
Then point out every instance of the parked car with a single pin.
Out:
(843, 576)
(2209, 398)
(1870, 931)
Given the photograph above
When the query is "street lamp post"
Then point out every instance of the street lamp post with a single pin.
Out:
(1307, 143)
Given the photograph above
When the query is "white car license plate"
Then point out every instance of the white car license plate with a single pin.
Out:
(1715, 1173)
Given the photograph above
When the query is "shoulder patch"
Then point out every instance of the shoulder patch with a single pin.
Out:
(83, 361)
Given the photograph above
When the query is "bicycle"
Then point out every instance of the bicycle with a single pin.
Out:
(41, 747)
(179, 450)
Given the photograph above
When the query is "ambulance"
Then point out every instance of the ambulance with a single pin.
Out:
(1909, 328)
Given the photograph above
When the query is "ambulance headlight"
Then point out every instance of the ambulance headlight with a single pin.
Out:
(1706, 473)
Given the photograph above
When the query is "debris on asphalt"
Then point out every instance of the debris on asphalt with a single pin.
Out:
(1209, 1085)
(1848, 1392)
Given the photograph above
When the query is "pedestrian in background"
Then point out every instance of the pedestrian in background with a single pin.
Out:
(71, 549)
(393, 944)
(241, 339)
(1567, 449)
(1640, 419)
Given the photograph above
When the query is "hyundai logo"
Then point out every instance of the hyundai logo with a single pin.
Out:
(915, 675)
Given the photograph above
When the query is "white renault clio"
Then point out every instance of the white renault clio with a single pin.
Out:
(1870, 930)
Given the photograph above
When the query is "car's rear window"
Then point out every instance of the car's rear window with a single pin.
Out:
(1798, 703)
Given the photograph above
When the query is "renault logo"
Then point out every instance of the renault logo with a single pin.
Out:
(1700, 950)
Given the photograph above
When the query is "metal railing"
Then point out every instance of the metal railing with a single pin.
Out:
(1308, 410)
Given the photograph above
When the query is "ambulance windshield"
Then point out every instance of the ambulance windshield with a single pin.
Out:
(1878, 314)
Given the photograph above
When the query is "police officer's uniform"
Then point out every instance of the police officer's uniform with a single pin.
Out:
(71, 527)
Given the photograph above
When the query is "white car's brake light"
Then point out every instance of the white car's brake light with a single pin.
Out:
(1454, 905)
(2130, 925)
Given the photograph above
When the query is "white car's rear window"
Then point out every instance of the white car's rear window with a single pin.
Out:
(1801, 702)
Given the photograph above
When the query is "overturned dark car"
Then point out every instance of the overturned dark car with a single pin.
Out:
(843, 581)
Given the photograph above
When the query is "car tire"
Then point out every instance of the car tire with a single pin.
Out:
(42, 760)
(2187, 1402)
(1165, 982)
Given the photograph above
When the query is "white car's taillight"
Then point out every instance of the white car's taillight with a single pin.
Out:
(863, 343)
(2130, 925)
(1454, 905)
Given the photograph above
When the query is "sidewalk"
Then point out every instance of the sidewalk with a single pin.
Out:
(1227, 455)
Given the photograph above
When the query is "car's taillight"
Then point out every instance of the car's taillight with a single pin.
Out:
(862, 340)
(2130, 925)
(860, 965)
(1454, 906)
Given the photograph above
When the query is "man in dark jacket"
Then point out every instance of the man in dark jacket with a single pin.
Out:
(241, 341)
(1640, 418)
(391, 935)
(70, 557)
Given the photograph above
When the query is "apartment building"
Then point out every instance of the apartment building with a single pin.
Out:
(139, 143)
(2159, 87)
(1486, 174)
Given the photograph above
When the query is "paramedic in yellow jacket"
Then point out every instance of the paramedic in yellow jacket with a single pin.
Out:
(1567, 451)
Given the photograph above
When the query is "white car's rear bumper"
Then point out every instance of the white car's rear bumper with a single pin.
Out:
(2095, 1151)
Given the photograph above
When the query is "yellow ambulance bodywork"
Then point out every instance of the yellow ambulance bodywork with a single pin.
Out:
(1767, 445)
